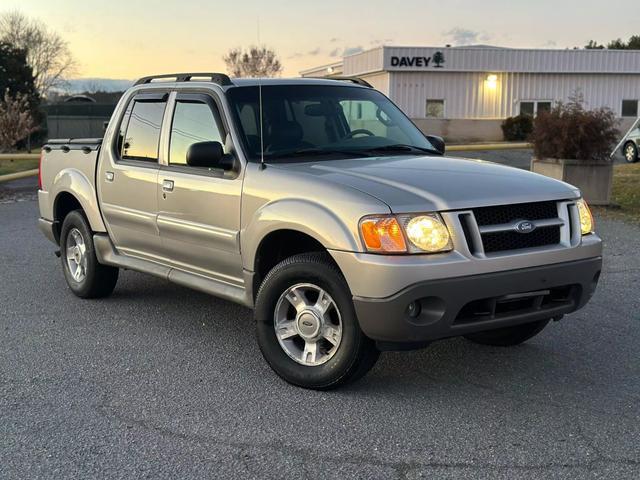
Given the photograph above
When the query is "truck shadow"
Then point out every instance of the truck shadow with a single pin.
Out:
(450, 364)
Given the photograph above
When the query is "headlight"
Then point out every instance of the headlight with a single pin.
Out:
(586, 219)
(425, 234)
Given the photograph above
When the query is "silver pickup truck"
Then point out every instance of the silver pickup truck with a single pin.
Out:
(320, 205)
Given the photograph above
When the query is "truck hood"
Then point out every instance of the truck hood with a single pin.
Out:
(428, 183)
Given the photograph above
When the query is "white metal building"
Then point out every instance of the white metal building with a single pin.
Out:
(464, 93)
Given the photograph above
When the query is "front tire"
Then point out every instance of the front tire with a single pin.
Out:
(509, 336)
(85, 276)
(630, 152)
(307, 327)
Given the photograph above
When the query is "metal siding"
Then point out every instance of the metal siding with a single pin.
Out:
(365, 62)
(466, 95)
(379, 81)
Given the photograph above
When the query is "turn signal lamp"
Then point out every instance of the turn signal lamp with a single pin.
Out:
(383, 234)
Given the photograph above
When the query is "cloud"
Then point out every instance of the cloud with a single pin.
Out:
(352, 51)
(380, 41)
(464, 36)
(311, 53)
(344, 52)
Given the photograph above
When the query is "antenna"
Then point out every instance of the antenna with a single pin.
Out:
(262, 165)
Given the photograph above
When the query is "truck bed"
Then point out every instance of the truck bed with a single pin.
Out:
(69, 164)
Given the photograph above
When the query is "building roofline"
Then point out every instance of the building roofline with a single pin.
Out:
(498, 48)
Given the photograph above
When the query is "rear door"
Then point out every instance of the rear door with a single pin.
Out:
(199, 208)
(128, 177)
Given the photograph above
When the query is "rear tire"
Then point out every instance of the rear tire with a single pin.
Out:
(630, 152)
(510, 336)
(308, 300)
(85, 276)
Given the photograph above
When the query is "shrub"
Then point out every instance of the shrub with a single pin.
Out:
(569, 131)
(517, 128)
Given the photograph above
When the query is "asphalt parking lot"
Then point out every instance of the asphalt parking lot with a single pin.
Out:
(158, 381)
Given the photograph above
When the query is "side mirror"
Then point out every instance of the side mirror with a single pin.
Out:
(437, 142)
(209, 155)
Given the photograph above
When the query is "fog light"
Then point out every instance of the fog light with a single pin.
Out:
(414, 309)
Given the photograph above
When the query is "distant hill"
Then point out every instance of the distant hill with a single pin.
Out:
(80, 85)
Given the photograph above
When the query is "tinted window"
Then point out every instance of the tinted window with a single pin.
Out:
(630, 108)
(527, 108)
(543, 107)
(193, 122)
(143, 131)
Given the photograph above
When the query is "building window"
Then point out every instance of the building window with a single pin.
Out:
(533, 108)
(629, 108)
(435, 108)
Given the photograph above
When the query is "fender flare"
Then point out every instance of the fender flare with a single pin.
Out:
(299, 215)
(75, 183)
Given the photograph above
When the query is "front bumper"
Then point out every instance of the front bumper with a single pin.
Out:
(462, 305)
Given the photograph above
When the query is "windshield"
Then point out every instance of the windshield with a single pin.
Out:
(323, 122)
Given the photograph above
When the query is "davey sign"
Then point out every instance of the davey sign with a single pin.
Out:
(435, 61)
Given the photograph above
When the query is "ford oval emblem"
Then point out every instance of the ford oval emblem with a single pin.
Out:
(524, 226)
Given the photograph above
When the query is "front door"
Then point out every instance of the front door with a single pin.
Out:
(199, 208)
(128, 177)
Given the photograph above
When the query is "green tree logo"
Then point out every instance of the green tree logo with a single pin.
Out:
(438, 59)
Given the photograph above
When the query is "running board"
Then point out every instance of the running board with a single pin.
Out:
(107, 255)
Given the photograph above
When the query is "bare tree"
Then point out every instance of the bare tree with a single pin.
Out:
(253, 62)
(48, 54)
(16, 120)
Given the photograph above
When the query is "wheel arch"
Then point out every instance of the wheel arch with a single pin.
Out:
(73, 186)
(298, 215)
(278, 245)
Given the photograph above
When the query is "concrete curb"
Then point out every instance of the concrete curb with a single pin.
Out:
(18, 175)
(19, 156)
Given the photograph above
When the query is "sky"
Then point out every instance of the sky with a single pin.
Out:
(127, 39)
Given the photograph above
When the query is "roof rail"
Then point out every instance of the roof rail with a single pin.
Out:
(219, 78)
(356, 80)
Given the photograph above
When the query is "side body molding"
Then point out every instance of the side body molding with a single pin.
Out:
(73, 181)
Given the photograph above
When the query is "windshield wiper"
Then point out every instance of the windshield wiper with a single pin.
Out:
(304, 152)
(401, 147)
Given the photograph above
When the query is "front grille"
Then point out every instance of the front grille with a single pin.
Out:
(508, 239)
(499, 241)
(510, 213)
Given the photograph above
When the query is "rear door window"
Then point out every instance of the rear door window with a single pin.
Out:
(141, 138)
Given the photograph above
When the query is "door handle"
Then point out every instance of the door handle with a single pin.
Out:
(167, 185)
(109, 176)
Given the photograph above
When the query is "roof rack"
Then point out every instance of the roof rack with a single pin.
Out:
(356, 80)
(219, 78)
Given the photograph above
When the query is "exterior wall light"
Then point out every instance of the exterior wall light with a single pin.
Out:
(329, 70)
(492, 81)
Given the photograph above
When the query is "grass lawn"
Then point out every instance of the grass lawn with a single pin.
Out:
(13, 166)
(626, 194)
